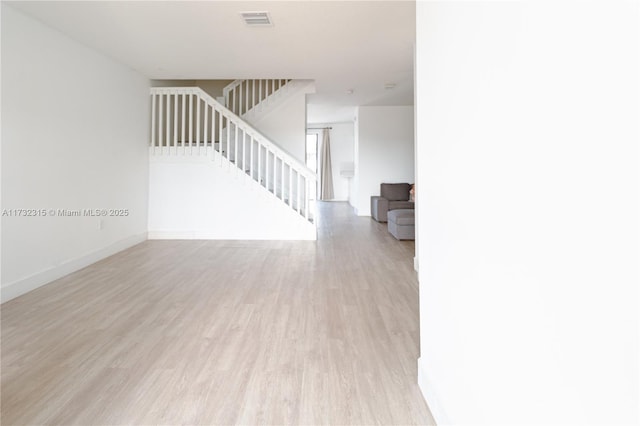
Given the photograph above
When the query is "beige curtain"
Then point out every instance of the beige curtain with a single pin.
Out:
(326, 178)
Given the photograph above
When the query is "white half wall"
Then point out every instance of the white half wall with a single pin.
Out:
(195, 197)
(384, 151)
(528, 209)
(74, 136)
(342, 155)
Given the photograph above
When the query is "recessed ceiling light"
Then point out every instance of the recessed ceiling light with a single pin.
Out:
(389, 86)
(256, 19)
(350, 92)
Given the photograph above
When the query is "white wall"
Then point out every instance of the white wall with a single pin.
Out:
(284, 121)
(196, 198)
(74, 136)
(384, 151)
(341, 143)
(528, 210)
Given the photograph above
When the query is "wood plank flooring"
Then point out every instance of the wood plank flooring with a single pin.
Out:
(223, 332)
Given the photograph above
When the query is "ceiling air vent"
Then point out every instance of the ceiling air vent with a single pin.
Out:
(256, 19)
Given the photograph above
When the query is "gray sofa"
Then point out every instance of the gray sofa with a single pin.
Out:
(393, 196)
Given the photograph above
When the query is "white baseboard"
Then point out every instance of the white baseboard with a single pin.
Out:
(431, 396)
(307, 235)
(25, 285)
(176, 235)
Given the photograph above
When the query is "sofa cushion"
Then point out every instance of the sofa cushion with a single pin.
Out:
(402, 217)
(395, 205)
(395, 191)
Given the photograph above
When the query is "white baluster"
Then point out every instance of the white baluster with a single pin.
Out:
(190, 121)
(198, 102)
(240, 99)
(228, 139)
(220, 135)
(168, 122)
(175, 121)
(266, 168)
(213, 131)
(233, 99)
(244, 150)
(290, 186)
(246, 93)
(183, 126)
(282, 178)
(160, 121)
(251, 167)
(235, 157)
(253, 102)
(259, 164)
(298, 192)
(239, 148)
(306, 198)
(275, 178)
(153, 121)
(206, 125)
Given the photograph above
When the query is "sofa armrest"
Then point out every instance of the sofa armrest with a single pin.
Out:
(379, 208)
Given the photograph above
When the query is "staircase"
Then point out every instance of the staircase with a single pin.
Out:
(245, 96)
(186, 121)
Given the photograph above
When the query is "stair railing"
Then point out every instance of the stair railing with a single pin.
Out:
(187, 120)
(242, 96)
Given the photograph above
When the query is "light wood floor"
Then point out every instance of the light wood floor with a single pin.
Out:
(223, 332)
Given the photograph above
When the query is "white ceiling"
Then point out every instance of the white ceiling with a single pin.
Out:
(342, 45)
